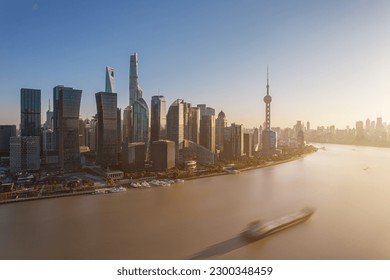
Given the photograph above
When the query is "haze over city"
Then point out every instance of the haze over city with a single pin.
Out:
(328, 61)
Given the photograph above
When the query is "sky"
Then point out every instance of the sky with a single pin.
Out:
(329, 61)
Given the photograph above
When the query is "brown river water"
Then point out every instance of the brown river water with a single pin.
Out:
(202, 219)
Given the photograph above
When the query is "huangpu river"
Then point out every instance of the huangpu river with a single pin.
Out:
(348, 185)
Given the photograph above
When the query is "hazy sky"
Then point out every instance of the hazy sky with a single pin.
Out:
(329, 61)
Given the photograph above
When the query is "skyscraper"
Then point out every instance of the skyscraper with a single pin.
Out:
(30, 112)
(24, 153)
(194, 124)
(134, 88)
(6, 132)
(268, 136)
(158, 118)
(141, 122)
(107, 144)
(220, 125)
(207, 132)
(127, 124)
(66, 103)
(110, 81)
(175, 122)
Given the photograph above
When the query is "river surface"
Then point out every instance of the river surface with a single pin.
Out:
(349, 186)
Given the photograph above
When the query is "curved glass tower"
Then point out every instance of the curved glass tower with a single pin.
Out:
(140, 121)
(175, 122)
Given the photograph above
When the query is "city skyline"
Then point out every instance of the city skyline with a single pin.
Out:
(328, 61)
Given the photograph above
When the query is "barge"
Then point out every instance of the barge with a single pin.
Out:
(257, 230)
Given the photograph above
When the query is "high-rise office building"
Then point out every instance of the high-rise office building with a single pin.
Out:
(127, 129)
(202, 108)
(6, 132)
(220, 124)
(134, 88)
(248, 144)
(66, 103)
(141, 122)
(158, 118)
(110, 81)
(30, 112)
(107, 144)
(163, 154)
(175, 122)
(186, 119)
(268, 135)
(24, 153)
(207, 132)
(237, 140)
(194, 125)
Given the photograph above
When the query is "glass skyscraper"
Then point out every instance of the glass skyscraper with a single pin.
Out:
(140, 121)
(107, 148)
(175, 122)
(158, 123)
(66, 103)
(30, 112)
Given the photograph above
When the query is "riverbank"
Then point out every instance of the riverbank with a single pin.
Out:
(266, 164)
(213, 174)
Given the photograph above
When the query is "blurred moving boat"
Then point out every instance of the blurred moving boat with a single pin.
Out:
(257, 230)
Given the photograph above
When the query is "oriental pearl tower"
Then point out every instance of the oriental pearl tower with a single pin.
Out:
(268, 136)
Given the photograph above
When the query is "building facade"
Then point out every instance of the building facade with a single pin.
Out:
(207, 132)
(6, 132)
(163, 154)
(30, 112)
(220, 124)
(140, 121)
(25, 153)
(175, 122)
(66, 103)
(107, 144)
(158, 118)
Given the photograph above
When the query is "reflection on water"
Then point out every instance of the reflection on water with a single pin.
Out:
(349, 186)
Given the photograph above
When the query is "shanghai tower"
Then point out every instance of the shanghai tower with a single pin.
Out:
(134, 88)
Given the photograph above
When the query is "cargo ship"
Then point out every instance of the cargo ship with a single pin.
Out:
(257, 230)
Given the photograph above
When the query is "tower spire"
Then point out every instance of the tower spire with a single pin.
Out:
(49, 104)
